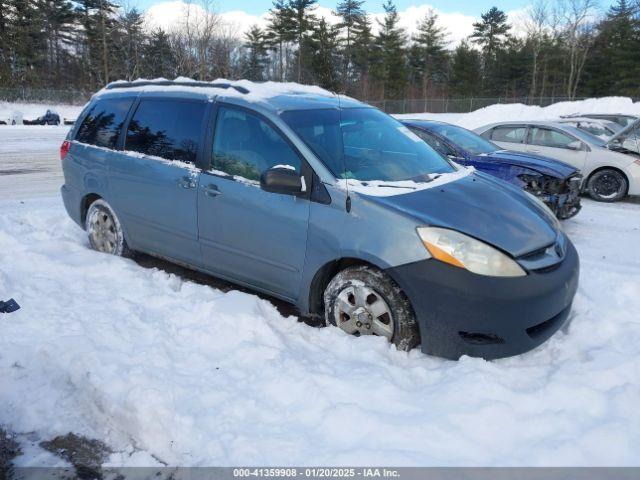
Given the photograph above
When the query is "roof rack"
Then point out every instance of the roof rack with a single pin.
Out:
(166, 83)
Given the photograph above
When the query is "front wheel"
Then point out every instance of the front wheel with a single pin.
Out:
(105, 231)
(363, 300)
(607, 185)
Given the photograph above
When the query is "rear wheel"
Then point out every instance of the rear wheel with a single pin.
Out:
(105, 231)
(607, 185)
(363, 300)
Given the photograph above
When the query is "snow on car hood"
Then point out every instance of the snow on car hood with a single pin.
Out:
(381, 188)
(482, 207)
(544, 165)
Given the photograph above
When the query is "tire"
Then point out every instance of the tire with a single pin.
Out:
(363, 300)
(607, 185)
(105, 230)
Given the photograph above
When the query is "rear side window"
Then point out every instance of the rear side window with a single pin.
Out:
(509, 134)
(170, 129)
(103, 123)
(546, 137)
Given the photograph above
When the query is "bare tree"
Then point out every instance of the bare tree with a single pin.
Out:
(537, 25)
(194, 36)
(577, 20)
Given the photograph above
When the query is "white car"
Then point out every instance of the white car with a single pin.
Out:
(609, 175)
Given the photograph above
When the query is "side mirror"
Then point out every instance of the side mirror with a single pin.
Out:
(282, 180)
(575, 145)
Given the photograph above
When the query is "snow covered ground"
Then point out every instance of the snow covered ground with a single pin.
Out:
(29, 161)
(163, 369)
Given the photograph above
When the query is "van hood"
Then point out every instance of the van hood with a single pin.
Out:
(543, 165)
(481, 207)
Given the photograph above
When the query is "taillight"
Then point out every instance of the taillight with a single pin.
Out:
(64, 149)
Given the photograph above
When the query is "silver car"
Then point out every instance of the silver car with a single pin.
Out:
(609, 175)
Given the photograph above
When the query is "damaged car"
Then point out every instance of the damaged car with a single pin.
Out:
(609, 175)
(557, 184)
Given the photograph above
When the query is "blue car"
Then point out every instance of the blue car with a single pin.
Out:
(556, 183)
(324, 202)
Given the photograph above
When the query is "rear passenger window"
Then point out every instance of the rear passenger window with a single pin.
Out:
(245, 145)
(550, 138)
(169, 129)
(509, 134)
(102, 125)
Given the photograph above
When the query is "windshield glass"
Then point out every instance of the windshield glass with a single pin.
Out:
(463, 138)
(366, 144)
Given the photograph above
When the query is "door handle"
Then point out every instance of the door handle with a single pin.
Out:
(186, 182)
(211, 190)
(531, 150)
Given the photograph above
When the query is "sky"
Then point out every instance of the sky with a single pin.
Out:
(469, 7)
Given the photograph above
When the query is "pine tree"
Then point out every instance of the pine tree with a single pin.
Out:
(614, 65)
(99, 27)
(352, 15)
(26, 42)
(256, 45)
(159, 57)
(58, 25)
(130, 37)
(466, 71)
(390, 64)
(280, 31)
(303, 23)
(491, 34)
(322, 47)
(430, 51)
(362, 54)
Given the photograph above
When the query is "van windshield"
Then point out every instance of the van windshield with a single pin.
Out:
(366, 144)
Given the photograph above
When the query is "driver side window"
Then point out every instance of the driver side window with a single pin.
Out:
(245, 145)
(435, 143)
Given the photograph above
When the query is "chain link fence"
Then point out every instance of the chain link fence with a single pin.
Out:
(428, 105)
(44, 96)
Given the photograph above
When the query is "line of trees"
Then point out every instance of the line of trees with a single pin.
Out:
(563, 48)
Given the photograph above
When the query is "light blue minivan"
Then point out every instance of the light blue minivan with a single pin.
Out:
(324, 202)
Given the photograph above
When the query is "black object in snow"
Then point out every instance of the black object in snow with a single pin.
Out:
(9, 306)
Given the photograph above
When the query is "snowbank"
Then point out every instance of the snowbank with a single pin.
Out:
(154, 364)
(518, 111)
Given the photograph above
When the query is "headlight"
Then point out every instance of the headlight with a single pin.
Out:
(541, 184)
(462, 251)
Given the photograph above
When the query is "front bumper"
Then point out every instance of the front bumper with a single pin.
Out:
(461, 313)
(565, 205)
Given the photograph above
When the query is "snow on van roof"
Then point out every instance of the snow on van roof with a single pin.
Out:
(221, 86)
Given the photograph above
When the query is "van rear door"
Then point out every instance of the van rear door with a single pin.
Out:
(154, 184)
